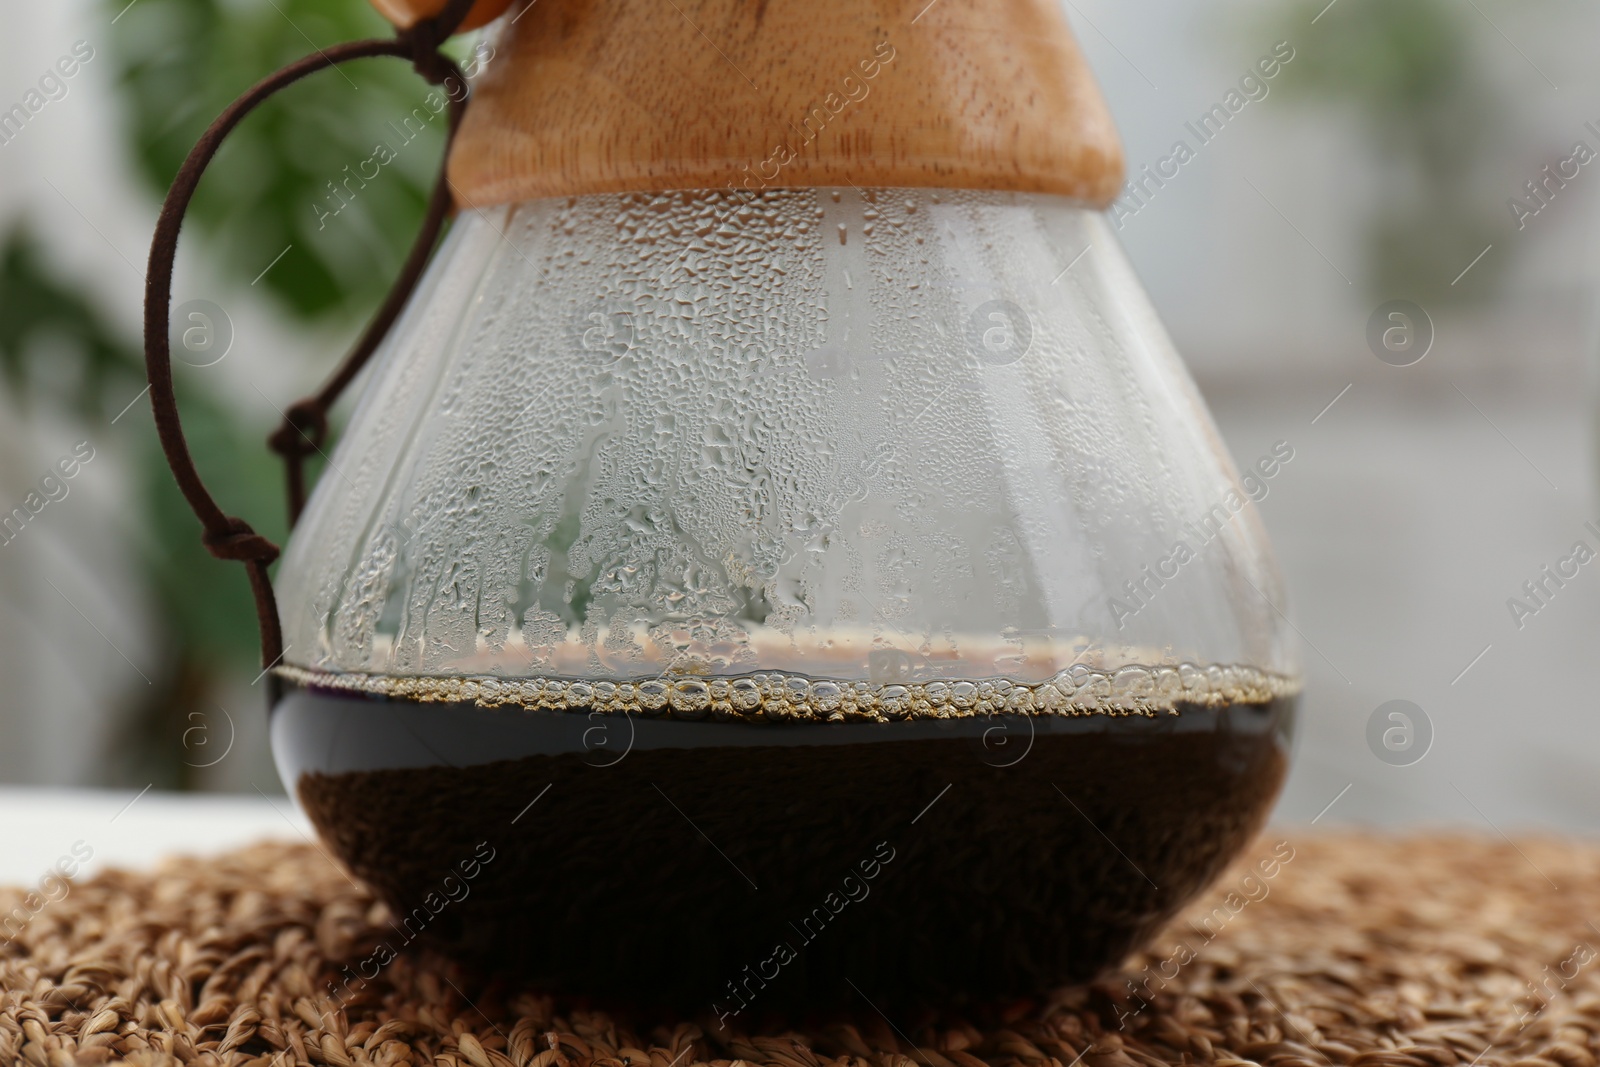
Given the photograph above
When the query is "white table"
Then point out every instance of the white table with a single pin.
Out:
(131, 830)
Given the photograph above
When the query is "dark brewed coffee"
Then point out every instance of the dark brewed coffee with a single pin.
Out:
(742, 865)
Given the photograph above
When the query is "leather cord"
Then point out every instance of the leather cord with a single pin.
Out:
(305, 423)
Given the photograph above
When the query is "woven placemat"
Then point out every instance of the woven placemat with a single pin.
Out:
(1313, 951)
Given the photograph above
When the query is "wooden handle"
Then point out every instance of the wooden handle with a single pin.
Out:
(587, 96)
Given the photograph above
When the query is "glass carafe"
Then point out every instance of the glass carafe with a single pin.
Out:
(719, 590)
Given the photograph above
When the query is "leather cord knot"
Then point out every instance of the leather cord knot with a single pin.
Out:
(425, 37)
(423, 40)
(240, 542)
(302, 431)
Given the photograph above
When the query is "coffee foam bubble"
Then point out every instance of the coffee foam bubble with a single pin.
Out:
(772, 696)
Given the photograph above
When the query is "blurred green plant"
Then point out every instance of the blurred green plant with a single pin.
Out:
(277, 186)
(279, 176)
(57, 351)
(1407, 70)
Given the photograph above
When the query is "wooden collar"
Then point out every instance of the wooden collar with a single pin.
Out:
(590, 96)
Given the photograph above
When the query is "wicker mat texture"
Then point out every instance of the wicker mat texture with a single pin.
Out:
(1369, 951)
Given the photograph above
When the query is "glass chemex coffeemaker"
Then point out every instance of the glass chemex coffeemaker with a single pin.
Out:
(763, 560)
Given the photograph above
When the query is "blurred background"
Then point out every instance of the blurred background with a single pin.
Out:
(1437, 152)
